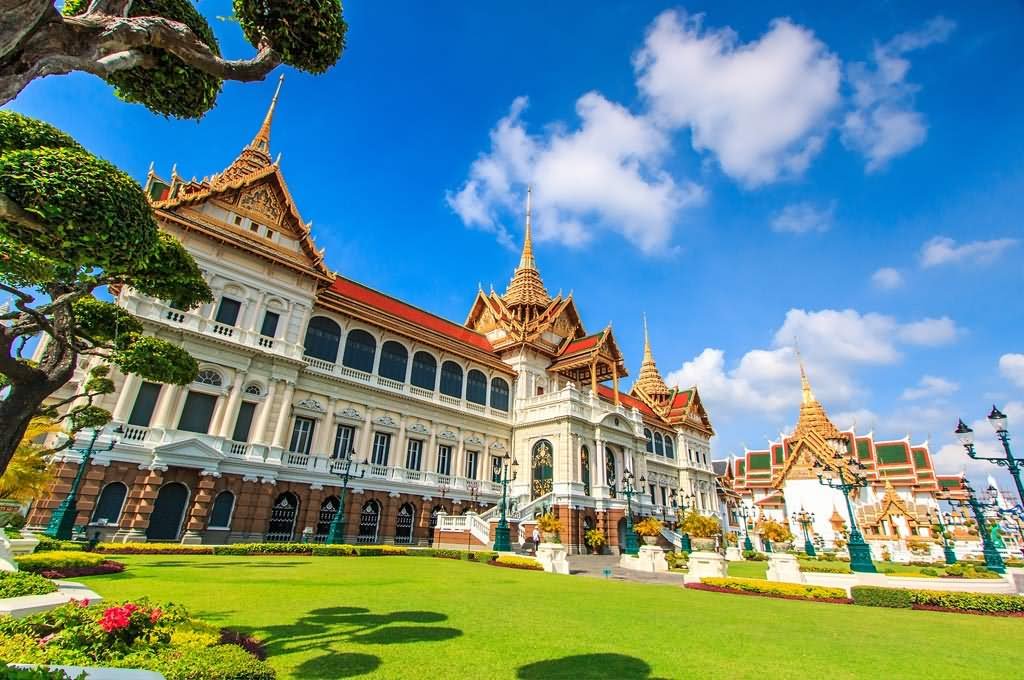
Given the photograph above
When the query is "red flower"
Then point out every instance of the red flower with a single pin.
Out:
(155, 615)
(115, 618)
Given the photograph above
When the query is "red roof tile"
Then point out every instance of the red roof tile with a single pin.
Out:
(405, 311)
(682, 399)
(626, 400)
(581, 344)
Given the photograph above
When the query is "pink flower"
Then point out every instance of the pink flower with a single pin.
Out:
(43, 641)
(115, 618)
(155, 615)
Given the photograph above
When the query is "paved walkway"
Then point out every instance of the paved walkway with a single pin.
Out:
(595, 566)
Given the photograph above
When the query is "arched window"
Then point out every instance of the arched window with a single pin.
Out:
(254, 389)
(394, 358)
(403, 524)
(659, 444)
(328, 509)
(451, 379)
(110, 503)
(369, 522)
(476, 387)
(168, 512)
(669, 447)
(360, 348)
(585, 469)
(282, 518)
(208, 376)
(609, 470)
(322, 339)
(424, 370)
(542, 464)
(650, 440)
(499, 394)
(438, 509)
(220, 513)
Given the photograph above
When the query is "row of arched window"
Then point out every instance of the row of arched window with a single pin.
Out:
(323, 340)
(658, 444)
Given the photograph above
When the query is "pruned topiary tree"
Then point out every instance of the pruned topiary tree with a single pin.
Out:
(162, 53)
(72, 224)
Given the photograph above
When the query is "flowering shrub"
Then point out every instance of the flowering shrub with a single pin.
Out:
(648, 526)
(63, 564)
(128, 635)
(20, 583)
(153, 549)
(515, 562)
(776, 588)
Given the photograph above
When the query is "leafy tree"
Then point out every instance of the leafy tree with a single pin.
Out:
(72, 224)
(29, 473)
(162, 53)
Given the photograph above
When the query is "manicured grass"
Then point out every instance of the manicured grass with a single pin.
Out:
(406, 617)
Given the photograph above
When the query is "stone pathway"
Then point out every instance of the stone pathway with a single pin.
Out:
(595, 565)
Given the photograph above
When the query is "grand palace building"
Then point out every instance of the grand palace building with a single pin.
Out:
(305, 373)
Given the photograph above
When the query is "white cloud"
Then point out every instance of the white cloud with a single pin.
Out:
(930, 332)
(887, 278)
(883, 123)
(607, 173)
(761, 108)
(804, 217)
(930, 386)
(1011, 366)
(944, 250)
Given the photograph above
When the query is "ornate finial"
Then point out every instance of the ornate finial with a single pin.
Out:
(151, 170)
(174, 170)
(649, 379)
(261, 142)
(526, 290)
(526, 261)
(805, 384)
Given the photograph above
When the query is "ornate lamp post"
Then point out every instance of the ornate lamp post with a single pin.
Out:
(632, 547)
(806, 519)
(62, 521)
(680, 506)
(336, 534)
(501, 537)
(744, 512)
(947, 549)
(860, 552)
(993, 560)
(998, 420)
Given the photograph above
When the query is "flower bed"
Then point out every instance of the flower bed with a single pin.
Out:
(513, 562)
(765, 588)
(47, 544)
(164, 639)
(307, 549)
(939, 600)
(61, 564)
(812, 568)
(153, 549)
(22, 583)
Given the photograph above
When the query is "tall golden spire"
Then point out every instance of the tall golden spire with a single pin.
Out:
(807, 396)
(256, 154)
(649, 380)
(812, 413)
(526, 290)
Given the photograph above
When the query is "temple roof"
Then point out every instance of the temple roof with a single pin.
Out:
(649, 380)
(812, 413)
(526, 291)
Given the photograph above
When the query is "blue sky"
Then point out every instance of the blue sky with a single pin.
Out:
(745, 174)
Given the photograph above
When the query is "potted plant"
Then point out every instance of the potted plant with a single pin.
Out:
(702, 529)
(595, 540)
(549, 527)
(776, 533)
(649, 528)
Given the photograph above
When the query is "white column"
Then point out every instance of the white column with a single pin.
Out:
(129, 390)
(263, 417)
(364, 437)
(459, 455)
(166, 403)
(398, 451)
(284, 416)
(322, 443)
(230, 414)
(429, 463)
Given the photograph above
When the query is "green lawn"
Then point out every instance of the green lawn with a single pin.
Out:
(423, 618)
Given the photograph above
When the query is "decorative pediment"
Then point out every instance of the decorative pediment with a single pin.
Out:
(498, 446)
(385, 421)
(190, 453)
(448, 434)
(311, 405)
(473, 440)
(262, 200)
(351, 414)
(418, 428)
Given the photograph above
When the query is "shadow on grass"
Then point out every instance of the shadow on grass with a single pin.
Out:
(588, 667)
(326, 628)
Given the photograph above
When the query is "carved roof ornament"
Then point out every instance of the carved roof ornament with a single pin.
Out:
(812, 413)
(256, 155)
(526, 295)
(311, 405)
(649, 380)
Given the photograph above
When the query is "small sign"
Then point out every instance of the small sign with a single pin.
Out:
(606, 572)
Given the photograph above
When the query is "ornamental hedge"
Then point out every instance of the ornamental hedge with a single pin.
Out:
(758, 586)
(515, 562)
(941, 600)
(314, 549)
(21, 583)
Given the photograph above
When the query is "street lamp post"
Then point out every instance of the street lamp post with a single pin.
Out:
(993, 560)
(62, 520)
(336, 534)
(860, 552)
(680, 506)
(501, 537)
(947, 549)
(745, 514)
(998, 420)
(632, 547)
(806, 519)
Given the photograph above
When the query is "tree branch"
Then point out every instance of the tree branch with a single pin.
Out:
(14, 213)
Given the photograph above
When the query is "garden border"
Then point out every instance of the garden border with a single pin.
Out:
(775, 596)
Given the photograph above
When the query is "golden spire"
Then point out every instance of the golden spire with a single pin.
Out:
(812, 413)
(807, 396)
(526, 288)
(649, 380)
(256, 154)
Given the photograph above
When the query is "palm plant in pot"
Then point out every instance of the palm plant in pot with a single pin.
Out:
(702, 530)
(648, 529)
(549, 527)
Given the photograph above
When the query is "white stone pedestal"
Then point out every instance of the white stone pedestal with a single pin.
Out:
(705, 565)
(552, 557)
(650, 559)
(784, 567)
(733, 554)
(13, 547)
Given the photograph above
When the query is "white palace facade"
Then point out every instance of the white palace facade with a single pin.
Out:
(302, 368)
